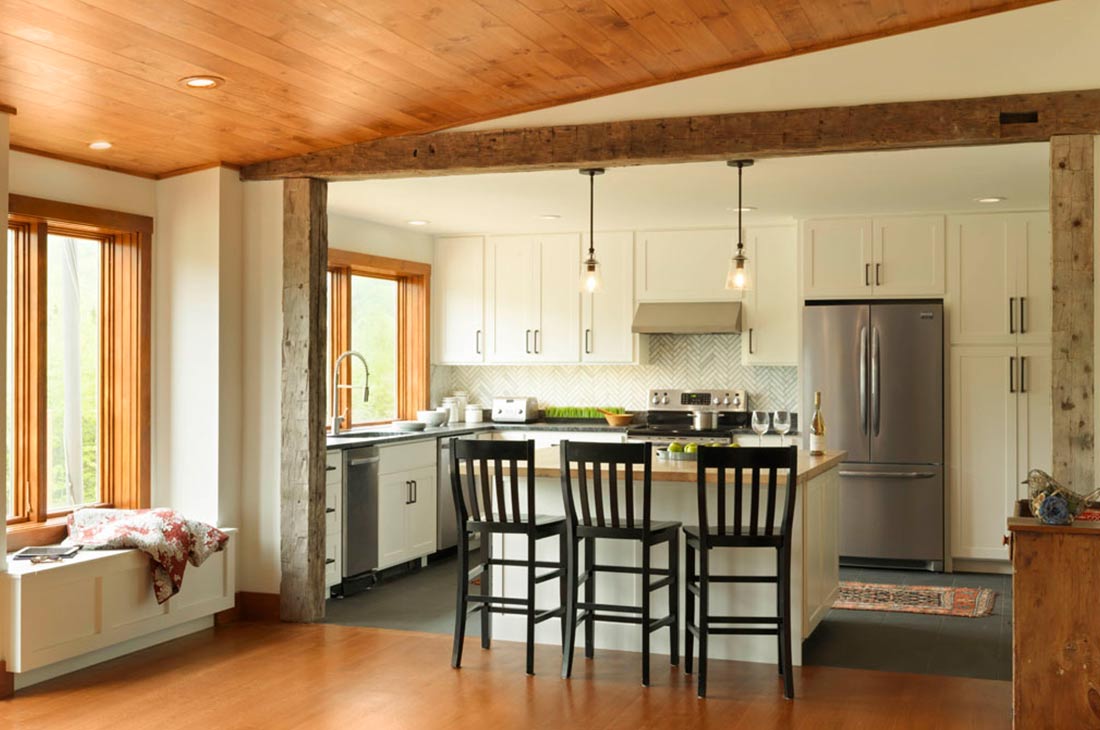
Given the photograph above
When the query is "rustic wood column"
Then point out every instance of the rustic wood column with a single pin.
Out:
(1071, 212)
(302, 474)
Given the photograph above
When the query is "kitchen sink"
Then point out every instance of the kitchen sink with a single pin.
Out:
(366, 434)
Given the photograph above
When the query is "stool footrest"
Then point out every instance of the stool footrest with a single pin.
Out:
(744, 620)
(556, 573)
(658, 584)
(741, 632)
(608, 607)
(660, 623)
(474, 598)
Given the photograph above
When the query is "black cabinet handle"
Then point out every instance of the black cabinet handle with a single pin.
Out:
(1012, 315)
(587, 340)
(878, 269)
(329, 510)
(1012, 375)
(527, 341)
(477, 342)
(1023, 373)
(750, 341)
(866, 275)
(408, 492)
(1023, 320)
(416, 492)
(536, 342)
(330, 468)
(330, 561)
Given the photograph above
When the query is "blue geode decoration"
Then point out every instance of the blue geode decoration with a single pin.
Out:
(1054, 510)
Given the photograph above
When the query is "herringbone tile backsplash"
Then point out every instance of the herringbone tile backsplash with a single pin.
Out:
(676, 361)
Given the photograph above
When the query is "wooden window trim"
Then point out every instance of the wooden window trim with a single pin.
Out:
(125, 336)
(413, 326)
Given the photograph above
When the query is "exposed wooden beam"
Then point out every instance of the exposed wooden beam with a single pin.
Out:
(302, 483)
(1072, 180)
(902, 125)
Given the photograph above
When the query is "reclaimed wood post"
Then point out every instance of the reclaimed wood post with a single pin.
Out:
(1071, 212)
(302, 471)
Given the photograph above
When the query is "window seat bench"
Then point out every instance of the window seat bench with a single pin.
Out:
(99, 604)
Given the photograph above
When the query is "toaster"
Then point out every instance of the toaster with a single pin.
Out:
(515, 410)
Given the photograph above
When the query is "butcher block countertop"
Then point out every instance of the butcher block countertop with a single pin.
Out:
(548, 464)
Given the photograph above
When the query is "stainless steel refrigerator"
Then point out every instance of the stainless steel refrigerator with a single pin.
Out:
(879, 367)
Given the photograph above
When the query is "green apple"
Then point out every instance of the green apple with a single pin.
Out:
(734, 445)
(691, 448)
(675, 447)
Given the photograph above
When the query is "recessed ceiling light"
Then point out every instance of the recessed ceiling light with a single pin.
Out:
(418, 223)
(991, 199)
(746, 209)
(549, 217)
(100, 144)
(202, 82)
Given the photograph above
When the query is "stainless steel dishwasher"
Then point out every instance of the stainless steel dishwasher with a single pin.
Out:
(360, 528)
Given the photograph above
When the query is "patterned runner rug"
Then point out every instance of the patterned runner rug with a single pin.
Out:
(935, 600)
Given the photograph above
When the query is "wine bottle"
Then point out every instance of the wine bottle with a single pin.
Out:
(817, 428)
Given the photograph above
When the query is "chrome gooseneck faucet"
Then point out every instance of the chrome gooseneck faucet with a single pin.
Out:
(337, 418)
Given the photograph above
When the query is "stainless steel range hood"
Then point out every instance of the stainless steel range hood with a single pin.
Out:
(687, 318)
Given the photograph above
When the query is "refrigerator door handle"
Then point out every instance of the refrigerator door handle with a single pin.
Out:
(863, 380)
(888, 474)
(875, 399)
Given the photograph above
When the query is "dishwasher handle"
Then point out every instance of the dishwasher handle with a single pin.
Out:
(888, 474)
(365, 461)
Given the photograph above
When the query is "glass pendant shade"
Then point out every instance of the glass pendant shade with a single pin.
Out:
(591, 280)
(737, 277)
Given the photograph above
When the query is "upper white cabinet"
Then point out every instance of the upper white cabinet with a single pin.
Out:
(999, 278)
(532, 298)
(770, 316)
(836, 257)
(684, 266)
(606, 315)
(908, 256)
(458, 276)
(894, 256)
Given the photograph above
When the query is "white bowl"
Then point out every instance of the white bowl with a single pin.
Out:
(410, 425)
(446, 411)
(431, 418)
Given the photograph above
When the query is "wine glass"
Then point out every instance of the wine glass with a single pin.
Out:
(760, 424)
(781, 422)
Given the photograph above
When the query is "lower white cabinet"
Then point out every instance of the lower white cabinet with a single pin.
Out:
(1000, 429)
(406, 502)
(334, 490)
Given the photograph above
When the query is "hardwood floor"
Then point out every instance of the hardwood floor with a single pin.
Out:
(252, 675)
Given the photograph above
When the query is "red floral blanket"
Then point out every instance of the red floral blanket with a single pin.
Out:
(168, 538)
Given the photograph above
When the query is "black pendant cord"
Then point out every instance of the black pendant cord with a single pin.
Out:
(591, 215)
(740, 209)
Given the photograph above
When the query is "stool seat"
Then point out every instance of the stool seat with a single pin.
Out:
(542, 524)
(723, 538)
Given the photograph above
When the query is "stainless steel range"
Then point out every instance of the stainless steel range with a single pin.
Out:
(702, 416)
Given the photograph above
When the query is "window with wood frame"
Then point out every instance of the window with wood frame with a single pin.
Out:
(78, 393)
(379, 308)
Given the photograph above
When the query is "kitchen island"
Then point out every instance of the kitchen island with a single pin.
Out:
(814, 561)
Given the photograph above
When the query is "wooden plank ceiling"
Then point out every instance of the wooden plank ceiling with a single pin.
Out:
(305, 75)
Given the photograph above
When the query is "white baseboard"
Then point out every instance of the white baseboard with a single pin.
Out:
(26, 679)
(971, 565)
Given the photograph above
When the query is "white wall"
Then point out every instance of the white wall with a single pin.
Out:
(196, 355)
(363, 236)
(44, 177)
(261, 354)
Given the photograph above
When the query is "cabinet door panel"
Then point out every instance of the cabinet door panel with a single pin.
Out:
(1034, 413)
(1033, 280)
(606, 316)
(983, 253)
(771, 317)
(393, 495)
(983, 457)
(908, 256)
(836, 258)
(684, 265)
(420, 515)
(512, 271)
(458, 279)
(559, 310)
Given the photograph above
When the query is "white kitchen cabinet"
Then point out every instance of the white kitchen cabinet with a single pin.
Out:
(886, 257)
(458, 279)
(999, 278)
(406, 502)
(908, 256)
(606, 316)
(836, 257)
(532, 299)
(334, 492)
(770, 317)
(1000, 428)
(684, 266)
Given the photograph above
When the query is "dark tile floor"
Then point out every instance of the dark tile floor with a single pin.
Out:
(423, 600)
(917, 643)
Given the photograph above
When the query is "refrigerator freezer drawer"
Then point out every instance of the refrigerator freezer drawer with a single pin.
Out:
(891, 512)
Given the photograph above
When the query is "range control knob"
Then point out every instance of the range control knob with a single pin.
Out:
(664, 399)
(726, 400)
(656, 399)
(736, 400)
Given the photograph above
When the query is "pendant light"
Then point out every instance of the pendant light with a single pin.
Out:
(738, 275)
(590, 269)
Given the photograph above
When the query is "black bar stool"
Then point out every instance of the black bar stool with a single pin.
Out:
(606, 514)
(474, 510)
(731, 532)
